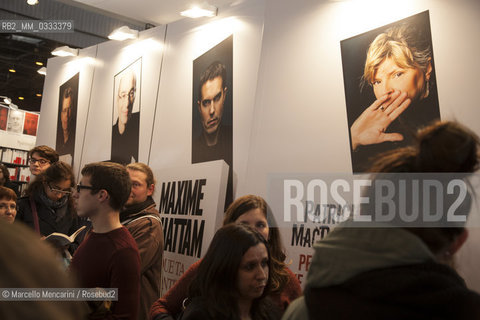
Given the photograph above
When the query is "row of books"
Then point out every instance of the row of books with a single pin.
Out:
(14, 156)
(20, 174)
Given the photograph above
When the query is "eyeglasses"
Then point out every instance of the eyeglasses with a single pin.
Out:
(41, 162)
(130, 94)
(80, 187)
(60, 191)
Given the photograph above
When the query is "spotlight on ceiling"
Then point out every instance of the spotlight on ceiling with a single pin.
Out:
(204, 10)
(6, 100)
(32, 2)
(123, 33)
(42, 71)
(65, 51)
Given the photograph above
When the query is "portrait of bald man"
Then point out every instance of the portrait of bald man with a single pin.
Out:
(125, 131)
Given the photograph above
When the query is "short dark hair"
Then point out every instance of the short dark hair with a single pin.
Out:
(7, 194)
(45, 152)
(215, 69)
(113, 178)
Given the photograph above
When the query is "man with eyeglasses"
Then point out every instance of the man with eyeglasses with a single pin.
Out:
(108, 256)
(141, 218)
(215, 140)
(125, 131)
(40, 158)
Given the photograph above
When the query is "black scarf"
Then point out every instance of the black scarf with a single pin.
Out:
(135, 209)
(57, 208)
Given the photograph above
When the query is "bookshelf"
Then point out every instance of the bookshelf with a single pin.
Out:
(16, 161)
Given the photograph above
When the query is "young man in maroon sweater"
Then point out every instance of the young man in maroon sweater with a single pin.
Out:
(108, 256)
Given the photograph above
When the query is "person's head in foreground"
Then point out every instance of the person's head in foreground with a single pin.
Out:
(443, 147)
(403, 271)
(27, 262)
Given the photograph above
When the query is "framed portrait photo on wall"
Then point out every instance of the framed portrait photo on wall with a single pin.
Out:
(390, 87)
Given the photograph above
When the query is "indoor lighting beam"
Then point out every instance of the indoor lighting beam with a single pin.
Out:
(42, 71)
(123, 33)
(205, 10)
(65, 51)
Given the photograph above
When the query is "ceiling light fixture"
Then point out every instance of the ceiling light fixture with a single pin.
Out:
(21, 98)
(123, 33)
(32, 2)
(39, 63)
(38, 94)
(204, 10)
(65, 51)
(6, 100)
(12, 70)
(42, 71)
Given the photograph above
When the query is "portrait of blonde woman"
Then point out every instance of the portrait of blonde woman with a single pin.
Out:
(391, 91)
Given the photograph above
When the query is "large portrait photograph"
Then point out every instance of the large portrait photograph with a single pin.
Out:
(67, 119)
(212, 110)
(390, 87)
(126, 113)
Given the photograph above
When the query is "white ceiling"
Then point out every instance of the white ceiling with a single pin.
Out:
(156, 12)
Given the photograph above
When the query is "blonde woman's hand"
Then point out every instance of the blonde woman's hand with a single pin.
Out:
(370, 126)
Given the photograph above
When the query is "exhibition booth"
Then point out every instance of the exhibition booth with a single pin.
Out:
(291, 93)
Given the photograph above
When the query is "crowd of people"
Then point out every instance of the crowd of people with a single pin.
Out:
(356, 272)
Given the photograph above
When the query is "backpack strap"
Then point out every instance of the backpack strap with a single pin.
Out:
(128, 221)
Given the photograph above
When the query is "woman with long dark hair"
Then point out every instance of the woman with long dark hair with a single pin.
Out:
(251, 210)
(233, 277)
